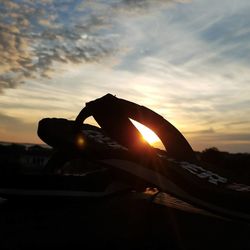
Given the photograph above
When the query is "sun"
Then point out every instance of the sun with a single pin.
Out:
(147, 133)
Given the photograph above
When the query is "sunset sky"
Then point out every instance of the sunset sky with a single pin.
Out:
(187, 60)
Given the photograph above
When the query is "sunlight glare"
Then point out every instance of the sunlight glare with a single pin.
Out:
(80, 142)
(147, 133)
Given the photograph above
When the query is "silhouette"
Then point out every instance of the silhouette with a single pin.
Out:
(100, 174)
(176, 170)
(112, 114)
(115, 153)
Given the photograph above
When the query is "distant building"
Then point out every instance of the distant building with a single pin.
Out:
(35, 158)
(20, 158)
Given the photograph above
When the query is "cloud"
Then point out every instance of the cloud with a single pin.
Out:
(202, 78)
(34, 36)
(187, 62)
(199, 132)
(14, 129)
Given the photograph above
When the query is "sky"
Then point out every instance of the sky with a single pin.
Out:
(186, 60)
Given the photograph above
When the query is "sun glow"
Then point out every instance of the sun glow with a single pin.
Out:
(147, 133)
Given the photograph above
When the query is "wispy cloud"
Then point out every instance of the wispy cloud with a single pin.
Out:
(34, 35)
(9, 132)
(187, 60)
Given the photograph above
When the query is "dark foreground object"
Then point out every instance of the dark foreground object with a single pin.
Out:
(90, 194)
(118, 222)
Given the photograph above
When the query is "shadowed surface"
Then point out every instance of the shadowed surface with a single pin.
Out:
(118, 222)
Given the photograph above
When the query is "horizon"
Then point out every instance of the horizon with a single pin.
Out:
(186, 60)
(155, 145)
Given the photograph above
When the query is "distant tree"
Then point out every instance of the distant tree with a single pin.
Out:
(212, 155)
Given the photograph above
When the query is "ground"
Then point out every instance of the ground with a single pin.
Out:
(117, 222)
